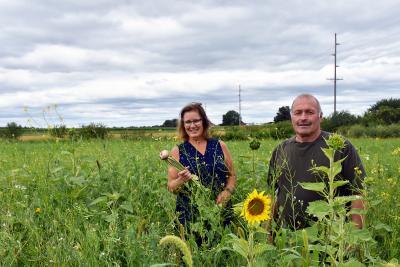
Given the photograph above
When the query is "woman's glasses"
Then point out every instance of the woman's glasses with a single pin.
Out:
(195, 122)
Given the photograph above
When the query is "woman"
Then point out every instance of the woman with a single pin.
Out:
(206, 157)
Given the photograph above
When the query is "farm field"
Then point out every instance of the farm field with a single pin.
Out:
(105, 202)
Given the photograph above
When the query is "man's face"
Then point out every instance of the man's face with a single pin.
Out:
(306, 118)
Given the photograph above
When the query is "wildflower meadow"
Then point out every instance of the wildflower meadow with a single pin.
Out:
(104, 202)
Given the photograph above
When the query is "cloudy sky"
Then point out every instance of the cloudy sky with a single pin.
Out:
(136, 63)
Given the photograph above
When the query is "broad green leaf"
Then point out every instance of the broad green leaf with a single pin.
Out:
(337, 167)
(337, 184)
(98, 200)
(126, 206)
(327, 248)
(291, 257)
(322, 169)
(318, 208)
(341, 200)
(312, 232)
(328, 152)
(79, 180)
(261, 248)
(240, 246)
(318, 187)
(352, 263)
(111, 218)
(357, 211)
(382, 226)
(362, 235)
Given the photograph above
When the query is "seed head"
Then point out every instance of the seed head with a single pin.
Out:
(336, 142)
(254, 145)
(164, 154)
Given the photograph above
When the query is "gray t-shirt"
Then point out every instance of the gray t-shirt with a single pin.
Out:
(291, 163)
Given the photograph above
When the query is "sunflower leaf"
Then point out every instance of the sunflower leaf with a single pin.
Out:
(317, 187)
(240, 246)
(318, 208)
(261, 248)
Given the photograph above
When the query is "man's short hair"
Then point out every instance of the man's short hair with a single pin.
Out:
(310, 97)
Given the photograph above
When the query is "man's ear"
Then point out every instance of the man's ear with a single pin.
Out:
(320, 115)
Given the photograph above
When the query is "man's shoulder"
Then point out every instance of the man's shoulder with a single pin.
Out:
(285, 143)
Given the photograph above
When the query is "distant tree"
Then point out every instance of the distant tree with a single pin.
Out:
(13, 130)
(391, 103)
(170, 123)
(385, 111)
(283, 114)
(230, 118)
(338, 119)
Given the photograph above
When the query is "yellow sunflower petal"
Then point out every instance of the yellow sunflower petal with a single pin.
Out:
(257, 207)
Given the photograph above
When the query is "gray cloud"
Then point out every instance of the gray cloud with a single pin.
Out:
(139, 62)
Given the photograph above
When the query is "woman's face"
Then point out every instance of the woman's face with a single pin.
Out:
(193, 124)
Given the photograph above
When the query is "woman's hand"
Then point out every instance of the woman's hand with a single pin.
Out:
(184, 175)
(223, 197)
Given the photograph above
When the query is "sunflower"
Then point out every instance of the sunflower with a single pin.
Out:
(257, 207)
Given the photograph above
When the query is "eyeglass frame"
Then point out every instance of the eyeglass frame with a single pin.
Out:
(195, 122)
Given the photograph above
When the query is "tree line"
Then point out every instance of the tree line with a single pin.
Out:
(375, 121)
(383, 112)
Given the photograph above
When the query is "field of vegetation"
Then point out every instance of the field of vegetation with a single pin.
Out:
(105, 203)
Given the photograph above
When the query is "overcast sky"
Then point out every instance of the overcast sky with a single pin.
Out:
(136, 63)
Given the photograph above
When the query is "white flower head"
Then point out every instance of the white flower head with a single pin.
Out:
(164, 154)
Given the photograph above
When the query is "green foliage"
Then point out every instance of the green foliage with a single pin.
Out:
(106, 203)
(12, 131)
(338, 119)
(282, 130)
(254, 144)
(59, 131)
(170, 123)
(235, 133)
(386, 111)
(93, 130)
(283, 114)
(230, 118)
(378, 131)
(392, 103)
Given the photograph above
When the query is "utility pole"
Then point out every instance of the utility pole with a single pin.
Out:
(240, 105)
(334, 77)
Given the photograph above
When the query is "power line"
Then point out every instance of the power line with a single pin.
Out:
(240, 105)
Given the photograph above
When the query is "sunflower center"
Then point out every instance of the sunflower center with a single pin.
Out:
(256, 207)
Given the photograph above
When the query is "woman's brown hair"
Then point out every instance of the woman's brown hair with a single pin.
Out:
(204, 119)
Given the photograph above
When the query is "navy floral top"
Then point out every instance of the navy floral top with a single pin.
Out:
(210, 168)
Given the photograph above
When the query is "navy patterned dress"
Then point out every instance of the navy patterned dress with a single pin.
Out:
(211, 170)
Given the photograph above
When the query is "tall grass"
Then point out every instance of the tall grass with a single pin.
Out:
(105, 202)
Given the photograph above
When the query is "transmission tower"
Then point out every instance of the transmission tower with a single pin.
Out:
(334, 76)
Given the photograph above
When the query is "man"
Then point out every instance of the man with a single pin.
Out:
(292, 160)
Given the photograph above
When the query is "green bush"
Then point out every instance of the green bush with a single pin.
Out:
(380, 131)
(12, 131)
(59, 131)
(282, 130)
(337, 120)
(93, 130)
(235, 133)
